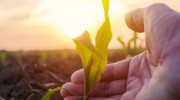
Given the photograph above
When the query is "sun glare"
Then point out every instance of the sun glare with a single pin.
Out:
(73, 17)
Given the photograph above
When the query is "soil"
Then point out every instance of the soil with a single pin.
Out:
(27, 75)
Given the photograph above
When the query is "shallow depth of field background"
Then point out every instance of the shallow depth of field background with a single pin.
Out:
(36, 47)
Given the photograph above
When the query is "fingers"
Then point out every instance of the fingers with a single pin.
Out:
(156, 11)
(117, 97)
(159, 23)
(104, 89)
(71, 98)
(114, 71)
(137, 19)
(78, 76)
(134, 20)
(112, 82)
(76, 88)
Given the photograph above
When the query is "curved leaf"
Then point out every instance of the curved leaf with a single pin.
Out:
(49, 93)
(94, 58)
(106, 7)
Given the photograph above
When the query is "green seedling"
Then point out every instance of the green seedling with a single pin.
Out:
(94, 58)
(131, 48)
(49, 93)
(3, 58)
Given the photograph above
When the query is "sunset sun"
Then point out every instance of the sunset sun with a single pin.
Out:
(73, 17)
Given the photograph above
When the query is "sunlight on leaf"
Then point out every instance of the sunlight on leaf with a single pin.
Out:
(94, 58)
(106, 7)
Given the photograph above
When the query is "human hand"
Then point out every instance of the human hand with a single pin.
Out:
(152, 75)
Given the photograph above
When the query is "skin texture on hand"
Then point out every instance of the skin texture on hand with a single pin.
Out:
(152, 75)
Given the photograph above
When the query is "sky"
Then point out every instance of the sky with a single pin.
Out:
(51, 24)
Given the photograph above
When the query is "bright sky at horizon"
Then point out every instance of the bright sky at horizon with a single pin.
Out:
(51, 24)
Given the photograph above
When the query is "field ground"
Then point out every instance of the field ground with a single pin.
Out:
(28, 75)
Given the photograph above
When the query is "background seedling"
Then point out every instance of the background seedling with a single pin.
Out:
(131, 48)
(3, 58)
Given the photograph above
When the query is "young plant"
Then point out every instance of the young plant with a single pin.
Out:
(49, 93)
(3, 58)
(131, 48)
(94, 58)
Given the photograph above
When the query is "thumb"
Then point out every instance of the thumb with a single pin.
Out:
(134, 20)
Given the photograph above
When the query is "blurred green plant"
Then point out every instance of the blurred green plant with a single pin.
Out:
(47, 96)
(131, 48)
(3, 58)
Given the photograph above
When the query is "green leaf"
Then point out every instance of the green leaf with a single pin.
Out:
(3, 58)
(106, 7)
(90, 58)
(94, 58)
(86, 41)
(49, 93)
(86, 49)
(103, 38)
